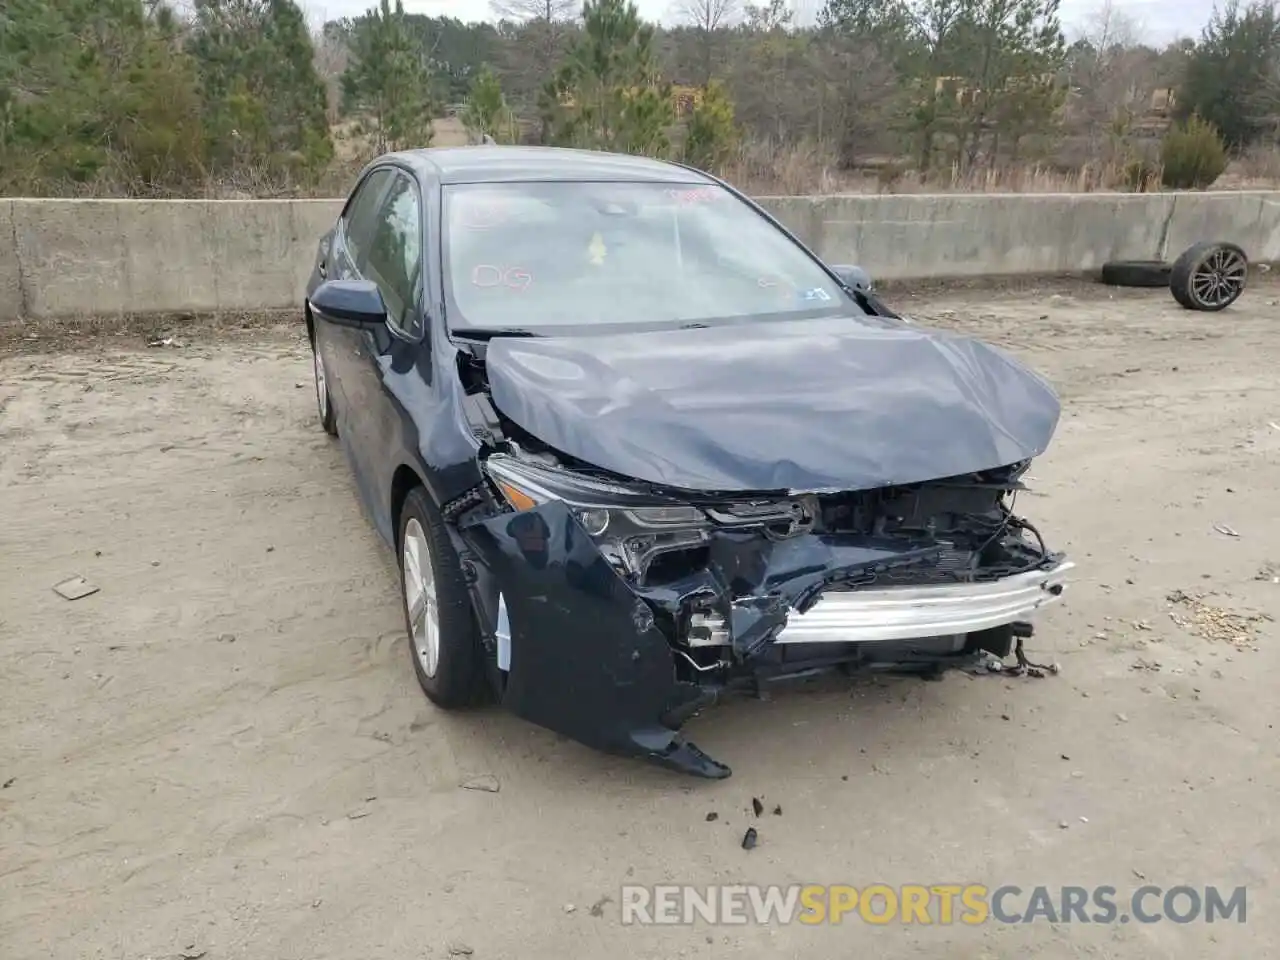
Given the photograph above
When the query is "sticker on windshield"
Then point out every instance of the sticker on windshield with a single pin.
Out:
(816, 294)
(596, 250)
(486, 276)
(695, 195)
(482, 216)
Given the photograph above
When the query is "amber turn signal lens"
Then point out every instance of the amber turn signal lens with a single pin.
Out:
(517, 498)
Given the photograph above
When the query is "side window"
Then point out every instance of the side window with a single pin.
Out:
(360, 218)
(395, 255)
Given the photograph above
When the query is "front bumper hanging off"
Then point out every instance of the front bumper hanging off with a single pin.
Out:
(595, 658)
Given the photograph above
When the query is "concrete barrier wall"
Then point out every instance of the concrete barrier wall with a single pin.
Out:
(82, 257)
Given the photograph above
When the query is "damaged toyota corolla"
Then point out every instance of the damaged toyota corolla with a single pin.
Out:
(635, 446)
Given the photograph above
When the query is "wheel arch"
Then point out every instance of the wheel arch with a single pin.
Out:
(403, 481)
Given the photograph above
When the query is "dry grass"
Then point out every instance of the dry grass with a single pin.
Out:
(812, 169)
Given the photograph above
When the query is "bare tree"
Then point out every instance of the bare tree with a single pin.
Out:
(522, 11)
(1110, 77)
(542, 30)
(708, 17)
(331, 58)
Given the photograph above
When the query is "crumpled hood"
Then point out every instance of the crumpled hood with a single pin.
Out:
(808, 405)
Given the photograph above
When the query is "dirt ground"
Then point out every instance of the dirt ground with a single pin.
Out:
(223, 752)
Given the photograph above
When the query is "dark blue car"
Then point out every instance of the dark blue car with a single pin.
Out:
(636, 446)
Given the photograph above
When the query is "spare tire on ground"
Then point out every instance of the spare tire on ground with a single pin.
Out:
(1136, 273)
(1209, 276)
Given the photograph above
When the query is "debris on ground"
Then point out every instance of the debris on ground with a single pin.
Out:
(569, 908)
(597, 908)
(991, 664)
(777, 811)
(459, 950)
(1153, 666)
(8, 783)
(712, 816)
(485, 781)
(75, 588)
(1268, 572)
(1226, 531)
(749, 839)
(1213, 623)
(757, 806)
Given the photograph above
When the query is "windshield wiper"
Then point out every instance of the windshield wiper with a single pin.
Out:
(488, 333)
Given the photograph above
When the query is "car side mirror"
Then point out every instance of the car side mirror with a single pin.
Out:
(854, 277)
(350, 303)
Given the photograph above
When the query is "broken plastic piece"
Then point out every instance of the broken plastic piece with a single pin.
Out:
(75, 588)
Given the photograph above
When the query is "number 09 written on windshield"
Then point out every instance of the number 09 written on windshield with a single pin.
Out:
(487, 276)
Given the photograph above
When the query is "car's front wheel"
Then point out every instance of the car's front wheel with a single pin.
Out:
(324, 400)
(443, 641)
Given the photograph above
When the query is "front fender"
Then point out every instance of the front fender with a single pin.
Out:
(588, 658)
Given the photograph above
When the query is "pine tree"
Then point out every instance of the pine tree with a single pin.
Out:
(93, 90)
(608, 94)
(264, 103)
(388, 80)
(486, 113)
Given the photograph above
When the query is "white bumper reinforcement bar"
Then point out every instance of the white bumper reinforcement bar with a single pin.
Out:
(908, 613)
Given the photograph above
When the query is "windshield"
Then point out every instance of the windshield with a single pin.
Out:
(534, 256)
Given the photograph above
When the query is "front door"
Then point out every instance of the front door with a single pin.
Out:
(386, 364)
(351, 242)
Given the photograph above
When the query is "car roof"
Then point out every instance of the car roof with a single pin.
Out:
(503, 164)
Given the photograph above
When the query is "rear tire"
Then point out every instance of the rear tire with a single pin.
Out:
(1136, 273)
(324, 399)
(1209, 276)
(444, 643)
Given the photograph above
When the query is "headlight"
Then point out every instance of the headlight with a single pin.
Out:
(629, 526)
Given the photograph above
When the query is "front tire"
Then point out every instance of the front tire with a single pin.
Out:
(444, 644)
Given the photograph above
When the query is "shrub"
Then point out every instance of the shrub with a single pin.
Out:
(1193, 155)
(713, 133)
(1141, 176)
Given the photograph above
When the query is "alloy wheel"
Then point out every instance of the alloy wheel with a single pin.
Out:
(1219, 278)
(420, 598)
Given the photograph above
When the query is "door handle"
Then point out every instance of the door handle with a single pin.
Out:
(322, 270)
